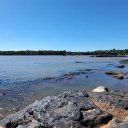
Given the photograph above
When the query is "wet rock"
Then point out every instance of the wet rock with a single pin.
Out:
(48, 78)
(79, 62)
(100, 89)
(72, 74)
(84, 70)
(68, 110)
(117, 66)
(118, 75)
(120, 66)
(124, 61)
(114, 73)
(87, 76)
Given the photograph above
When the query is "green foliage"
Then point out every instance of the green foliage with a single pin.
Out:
(99, 53)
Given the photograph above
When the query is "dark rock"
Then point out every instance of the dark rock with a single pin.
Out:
(68, 110)
(120, 66)
(124, 61)
(79, 62)
(114, 73)
(48, 78)
(118, 75)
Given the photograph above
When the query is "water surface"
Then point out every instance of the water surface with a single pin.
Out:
(22, 77)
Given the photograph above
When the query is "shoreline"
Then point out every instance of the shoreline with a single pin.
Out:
(19, 99)
(26, 93)
(96, 108)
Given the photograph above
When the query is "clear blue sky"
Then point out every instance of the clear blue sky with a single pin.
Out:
(76, 25)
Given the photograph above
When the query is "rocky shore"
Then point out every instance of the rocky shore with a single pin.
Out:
(100, 108)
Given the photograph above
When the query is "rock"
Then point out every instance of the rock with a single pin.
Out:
(118, 75)
(120, 66)
(72, 109)
(114, 73)
(114, 102)
(48, 78)
(124, 61)
(79, 62)
(100, 89)
(87, 76)
(115, 123)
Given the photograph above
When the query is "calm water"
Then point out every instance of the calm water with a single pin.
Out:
(21, 77)
(21, 68)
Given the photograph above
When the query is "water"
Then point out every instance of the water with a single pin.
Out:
(22, 68)
(18, 69)
(21, 77)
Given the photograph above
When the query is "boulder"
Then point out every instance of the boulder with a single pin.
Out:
(69, 110)
(74, 109)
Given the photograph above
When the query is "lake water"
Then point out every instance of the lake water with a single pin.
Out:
(22, 68)
(18, 69)
(21, 77)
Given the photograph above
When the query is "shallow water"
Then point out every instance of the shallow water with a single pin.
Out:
(15, 70)
(22, 68)
(21, 77)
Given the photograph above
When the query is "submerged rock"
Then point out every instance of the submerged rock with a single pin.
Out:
(120, 66)
(118, 75)
(124, 61)
(114, 73)
(79, 62)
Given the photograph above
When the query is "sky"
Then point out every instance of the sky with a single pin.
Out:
(72, 25)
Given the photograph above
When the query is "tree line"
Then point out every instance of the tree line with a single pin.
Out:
(101, 53)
